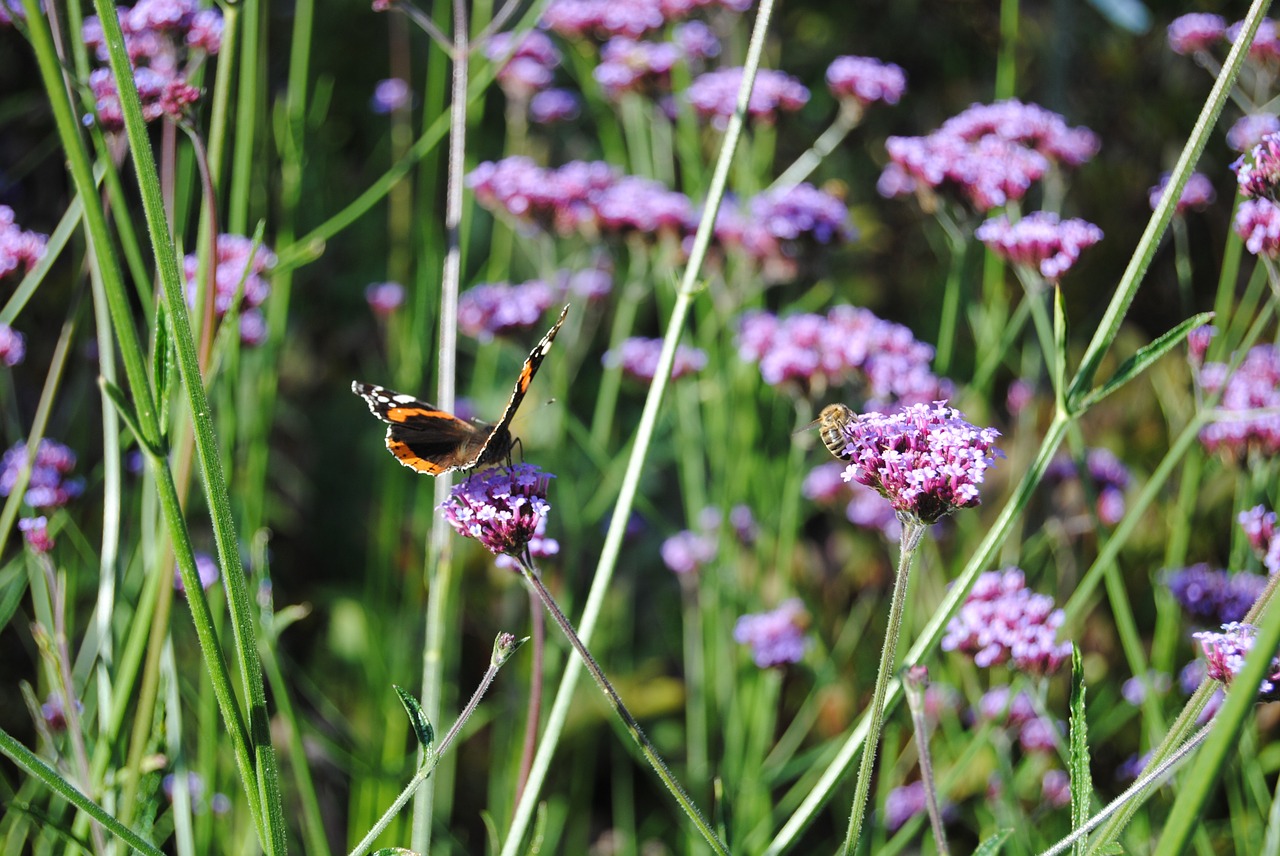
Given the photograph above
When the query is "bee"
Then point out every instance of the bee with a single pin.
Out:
(830, 424)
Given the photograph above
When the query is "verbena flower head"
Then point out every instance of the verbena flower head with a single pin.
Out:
(1197, 193)
(18, 248)
(13, 346)
(540, 547)
(638, 358)
(998, 706)
(1259, 527)
(497, 309)
(1213, 596)
(1021, 393)
(530, 62)
(384, 298)
(1258, 173)
(1247, 419)
(863, 80)
(1265, 47)
(1030, 125)
(51, 484)
(1198, 341)
(578, 19)
(1196, 32)
(390, 95)
(554, 105)
(1249, 131)
(696, 40)
(35, 531)
(240, 270)
(627, 65)
(904, 803)
(1002, 621)
(1225, 653)
(688, 551)
(785, 222)
(206, 569)
(1055, 788)
(500, 507)
(591, 283)
(1040, 241)
(1258, 223)
(556, 199)
(776, 637)
(633, 204)
(925, 459)
(714, 95)
(1108, 477)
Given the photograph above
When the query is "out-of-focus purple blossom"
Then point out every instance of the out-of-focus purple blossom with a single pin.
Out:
(925, 459)
(714, 95)
(195, 786)
(1190, 676)
(627, 65)
(696, 40)
(1135, 690)
(220, 804)
(1027, 124)
(530, 62)
(1225, 652)
(1055, 788)
(591, 283)
(1107, 474)
(847, 345)
(161, 93)
(578, 19)
(1040, 241)
(384, 298)
(1197, 194)
(1248, 417)
(1020, 394)
(13, 346)
(1249, 131)
(634, 204)
(1132, 767)
(1259, 527)
(996, 705)
(824, 484)
(687, 551)
(558, 199)
(1214, 596)
(744, 524)
(1265, 47)
(18, 248)
(253, 328)
(499, 507)
(54, 712)
(1258, 223)
(50, 485)
(390, 95)
(785, 223)
(540, 547)
(904, 803)
(1198, 341)
(864, 80)
(206, 569)
(10, 11)
(496, 309)
(776, 637)
(241, 269)
(1002, 621)
(1040, 735)
(1196, 32)
(868, 510)
(638, 358)
(554, 105)
(1258, 173)
(35, 531)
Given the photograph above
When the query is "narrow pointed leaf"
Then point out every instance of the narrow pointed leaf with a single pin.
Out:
(1081, 782)
(395, 851)
(1144, 357)
(130, 418)
(1059, 347)
(418, 718)
(991, 846)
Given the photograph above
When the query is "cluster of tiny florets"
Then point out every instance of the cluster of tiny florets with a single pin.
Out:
(1196, 32)
(688, 551)
(1258, 223)
(553, 105)
(1040, 241)
(638, 359)
(1225, 652)
(1258, 173)
(714, 95)
(1002, 621)
(925, 459)
(630, 65)
(51, 484)
(1197, 193)
(776, 637)
(18, 248)
(1250, 130)
(1248, 414)
(1259, 527)
(847, 345)
(238, 268)
(498, 308)
(864, 80)
(578, 19)
(500, 507)
(541, 546)
(1108, 478)
(384, 298)
(1213, 596)
(529, 61)
(864, 506)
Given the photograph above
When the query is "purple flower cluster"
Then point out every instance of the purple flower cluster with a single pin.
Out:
(1258, 223)
(390, 95)
(1039, 241)
(1196, 32)
(1017, 711)
(11, 10)
(1107, 475)
(990, 154)
(1258, 173)
(925, 459)
(496, 309)
(13, 346)
(206, 569)
(862, 81)
(500, 507)
(904, 803)
(577, 19)
(35, 531)
(1248, 417)
(1214, 596)
(1135, 690)
(1265, 47)
(554, 105)
(687, 551)
(159, 36)
(51, 484)
(238, 272)
(865, 508)
(1249, 131)
(1198, 341)
(384, 298)
(1259, 527)
(714, 95)
(776, 637)
(18, 249)
(784, 223)
(1225, 653)
(627, 65)
(638, 358)
(1197, 194)
(1002, 621)
(848, 344)
(1055, 788)
(530, 62)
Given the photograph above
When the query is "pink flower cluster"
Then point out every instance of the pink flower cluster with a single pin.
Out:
(776, 637)
(1108, 478)
(865, 508)
(577, 19)
(1039, 241)
(1197, 193)
(530, 62)
(496, 309)
(50, 484)
(1258, 174)
(628, 65)
(1259, 526)
(848, 344)
(863, 80)
(638, 358)
(714, 95)
(1249, 130)
(1248, 415)
(18, 249)
(239, 270)
(1258, 223)
(1196, 32)
(500, 507)
(1225, 653)
(1017, 711)
(1002, 621)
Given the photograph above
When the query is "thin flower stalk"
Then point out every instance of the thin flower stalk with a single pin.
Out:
(915, 680)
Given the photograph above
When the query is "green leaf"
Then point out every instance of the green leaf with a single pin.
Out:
(395, 851)
(130, 418)
(1144, 357)
(991, 846)
(1081, 783)
(421, 725)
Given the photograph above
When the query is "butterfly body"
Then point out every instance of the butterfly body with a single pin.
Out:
(433, 441)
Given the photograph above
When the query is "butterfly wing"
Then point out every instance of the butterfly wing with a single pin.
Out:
(422, 436)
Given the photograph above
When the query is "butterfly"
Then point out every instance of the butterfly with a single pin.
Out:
(429, 440)
(830, 424)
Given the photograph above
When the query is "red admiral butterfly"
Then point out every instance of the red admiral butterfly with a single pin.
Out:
(432, 441)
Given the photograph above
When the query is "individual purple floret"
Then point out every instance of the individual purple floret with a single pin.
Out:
(744, 525)
(54, 711)
(1265, 47)
(687, 551)
(1258, 223)
(714, 95)
(862, 81)
(1248, 417)
(638, 358)
(1002, 621)
(925, 459)
(529, 62)
(776, 637)
(390, 95)
(1196, 32)
(18, 249)
(1250, 130)
(540, 547)
(1225, 653)
(1197, 194)
(1055, 788)
(1107, 476)
(496, 309)
(51, 484)
(384, 298)
(500, 507)
(1214, 596)
(13, 346)
(206, 570)
(240, 271)
(253, 327)
(554, 105)
(1258, 173)
(1040, 241)
(35, 531)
